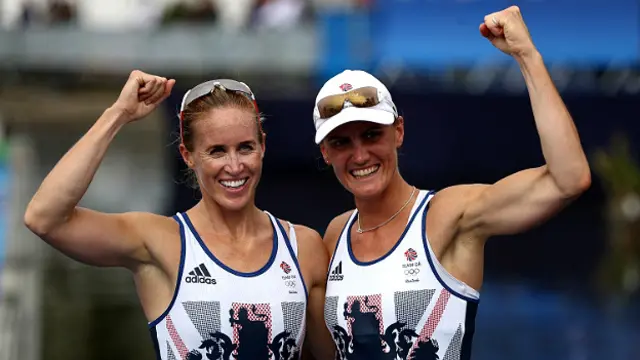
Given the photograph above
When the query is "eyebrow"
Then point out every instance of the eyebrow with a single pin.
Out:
(373, 127)
(336, 137)
(245, 142)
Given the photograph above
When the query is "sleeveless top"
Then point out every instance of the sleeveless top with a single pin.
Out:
(219, 313)
(404, 305)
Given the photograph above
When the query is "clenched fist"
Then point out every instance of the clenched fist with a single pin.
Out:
(141, 94)
(507, 31)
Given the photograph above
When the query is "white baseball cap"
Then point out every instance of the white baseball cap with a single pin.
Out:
(384, 113)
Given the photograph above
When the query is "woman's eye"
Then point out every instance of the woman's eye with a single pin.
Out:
(246, 148)
(216, 151)
(338, 142)
(371, 134)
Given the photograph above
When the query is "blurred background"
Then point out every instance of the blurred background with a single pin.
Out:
(567, 290)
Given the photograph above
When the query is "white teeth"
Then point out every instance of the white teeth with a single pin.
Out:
(233, 183)
(365, 172)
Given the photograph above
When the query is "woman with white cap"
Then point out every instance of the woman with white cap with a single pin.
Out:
(407, 264)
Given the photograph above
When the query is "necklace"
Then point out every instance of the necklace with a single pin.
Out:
(360, 230)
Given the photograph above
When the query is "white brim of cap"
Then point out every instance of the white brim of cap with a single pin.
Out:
(354, 114)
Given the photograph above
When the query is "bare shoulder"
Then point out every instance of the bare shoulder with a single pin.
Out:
(155, 230)
(458, 194)
(312, 255)
(150, 224)
(451, 201)
(147, 218)
(310, 244)
(308, 235)
(447, 212)
(307, 238)
(334, 229)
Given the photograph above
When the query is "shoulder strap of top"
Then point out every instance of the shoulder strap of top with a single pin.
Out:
(293, 240)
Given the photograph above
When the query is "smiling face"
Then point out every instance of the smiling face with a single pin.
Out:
(364, 155)
(226, 156)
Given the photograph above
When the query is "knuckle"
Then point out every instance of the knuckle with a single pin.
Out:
(138, 73)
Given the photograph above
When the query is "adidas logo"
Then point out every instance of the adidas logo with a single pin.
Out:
(200, 275)
(336, 273)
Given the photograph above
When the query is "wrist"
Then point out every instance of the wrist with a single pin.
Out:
(529, 59)
(115, 116)
(113, 119)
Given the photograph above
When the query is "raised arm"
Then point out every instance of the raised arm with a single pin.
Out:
(315, 261)
(529, 197)
(92, 237)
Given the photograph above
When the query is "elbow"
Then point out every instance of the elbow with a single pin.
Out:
(38, 223)
(578, 184)
(585, 182)
(35, 223)
(583, 179)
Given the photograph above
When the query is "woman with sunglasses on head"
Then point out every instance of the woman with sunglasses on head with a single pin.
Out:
(223, 279)
(407, 264)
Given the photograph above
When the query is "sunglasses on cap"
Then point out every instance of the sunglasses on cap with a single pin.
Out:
(363, 97)
(209, 87)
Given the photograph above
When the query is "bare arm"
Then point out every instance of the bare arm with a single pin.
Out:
(334, 230)
(315, 259)
(85, 235)
(529, 197)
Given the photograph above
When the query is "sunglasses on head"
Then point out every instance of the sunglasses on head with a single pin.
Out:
(363, 97)
(209, 87)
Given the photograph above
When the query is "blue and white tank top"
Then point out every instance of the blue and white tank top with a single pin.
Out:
(404, 305)
(219, 313)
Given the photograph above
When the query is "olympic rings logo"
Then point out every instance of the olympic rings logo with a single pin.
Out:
(290, 283)
(412, 271)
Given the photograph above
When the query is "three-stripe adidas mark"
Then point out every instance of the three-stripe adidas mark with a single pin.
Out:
(200, 275)
(336, 273)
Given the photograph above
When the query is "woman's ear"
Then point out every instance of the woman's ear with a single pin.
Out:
(186, 156)
(325, 156)
(399, 128)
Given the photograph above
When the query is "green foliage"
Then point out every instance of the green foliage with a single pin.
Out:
(617, 167)
(619, 271)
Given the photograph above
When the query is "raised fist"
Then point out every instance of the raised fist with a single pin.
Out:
(141, 94)
(507, 31)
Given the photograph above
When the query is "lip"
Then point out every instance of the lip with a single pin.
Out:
(235, 190)
(363, 168)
